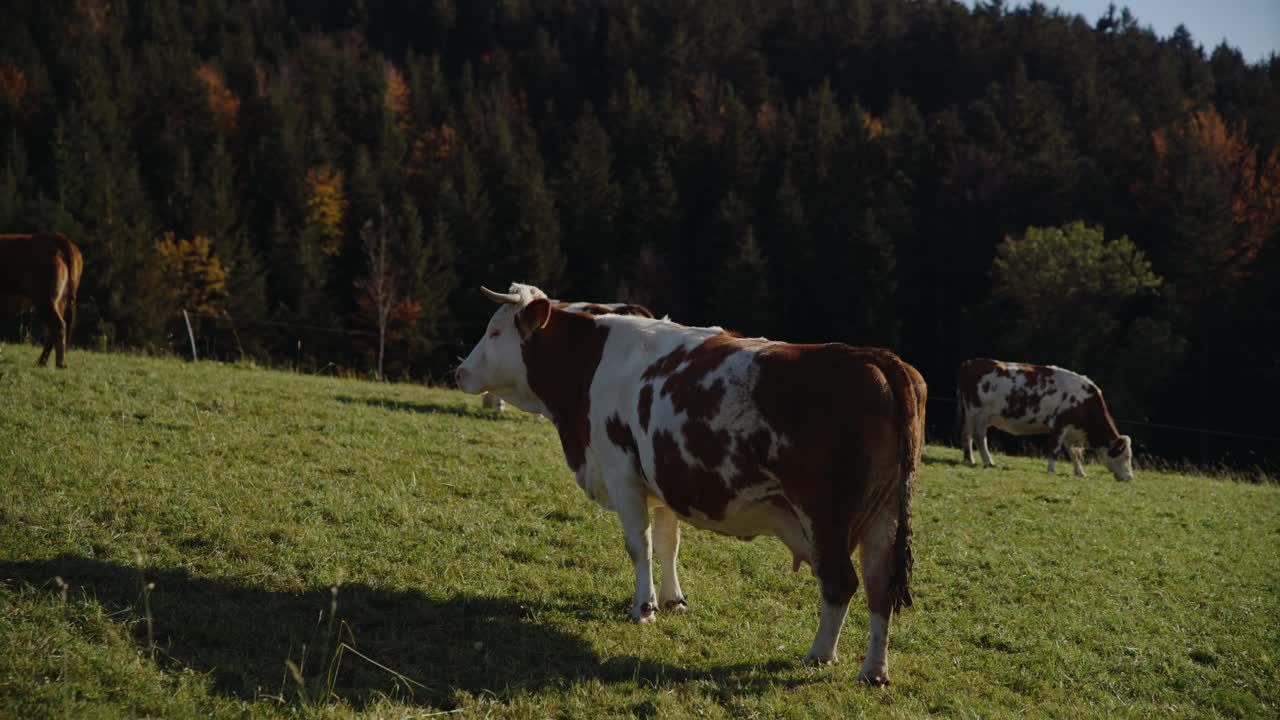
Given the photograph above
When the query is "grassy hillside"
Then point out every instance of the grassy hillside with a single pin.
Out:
(171, 534)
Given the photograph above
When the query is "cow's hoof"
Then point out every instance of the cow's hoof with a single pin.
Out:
(676, 606)
(645, 614)
(816, 660)
(874, 679)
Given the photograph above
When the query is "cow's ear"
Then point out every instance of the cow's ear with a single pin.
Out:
(534, 316)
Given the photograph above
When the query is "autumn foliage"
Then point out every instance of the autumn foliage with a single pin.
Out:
(92, 16)
(396, 97)
(193, 275)
(1249, 180)
(13, 87)
(434, 147)
(223, 102)
(326, 206)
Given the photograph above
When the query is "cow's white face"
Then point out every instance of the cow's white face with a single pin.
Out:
(496, 363)
(1119, 458)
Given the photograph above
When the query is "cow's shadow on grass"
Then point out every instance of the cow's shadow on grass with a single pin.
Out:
(243, 635)
(947, 460)
(473, 411)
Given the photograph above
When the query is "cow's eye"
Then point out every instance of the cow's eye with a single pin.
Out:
(495, 333)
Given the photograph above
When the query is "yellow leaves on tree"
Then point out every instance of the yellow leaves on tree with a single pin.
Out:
(13, 87)
(396, 96)
(326, 206)
(1251, 182)
(194, 276)
(434, 147)
(223, 102)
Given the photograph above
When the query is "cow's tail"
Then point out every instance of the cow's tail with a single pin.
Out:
(910, 396)
(75, 268)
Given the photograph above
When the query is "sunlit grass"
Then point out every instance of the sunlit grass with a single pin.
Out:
(472, 575)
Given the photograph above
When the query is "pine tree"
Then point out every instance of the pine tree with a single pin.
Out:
(589, 206)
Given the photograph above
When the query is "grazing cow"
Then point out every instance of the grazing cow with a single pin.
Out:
(818, 445)
(1024, 399)
(493, 402)
(45, 269)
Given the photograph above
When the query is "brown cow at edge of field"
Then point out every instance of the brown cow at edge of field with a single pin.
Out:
(44, 268)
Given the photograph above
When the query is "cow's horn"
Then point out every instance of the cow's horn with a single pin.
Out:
(513, 298)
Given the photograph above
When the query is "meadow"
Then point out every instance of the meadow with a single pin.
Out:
(185, 540)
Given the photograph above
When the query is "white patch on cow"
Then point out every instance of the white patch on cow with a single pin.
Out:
(830, 620)
(875, 668)
(496, 364)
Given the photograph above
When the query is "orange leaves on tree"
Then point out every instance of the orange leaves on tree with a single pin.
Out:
(434, 147)
(93, 16)
(13, 87)
(223, 102)
(1251, 182)
(194, 276)
(396, 96)
(873, 125)
(766, 119)
(326, 206)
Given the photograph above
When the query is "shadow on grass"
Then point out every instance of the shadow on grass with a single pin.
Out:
(951, 461)
(474, 411)
(242, 635)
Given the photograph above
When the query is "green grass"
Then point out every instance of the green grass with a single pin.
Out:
(479, 579)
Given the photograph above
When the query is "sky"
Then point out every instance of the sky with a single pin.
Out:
(1252, 26)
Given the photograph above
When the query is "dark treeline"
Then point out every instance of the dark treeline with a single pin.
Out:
(878, 172)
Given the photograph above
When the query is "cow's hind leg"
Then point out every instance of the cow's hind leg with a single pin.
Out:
(838, 582)
(1055, 447)
(982, 429)
(55, 332)
(875, 554)
(666, 539)
(1077, 455)
(966, 435)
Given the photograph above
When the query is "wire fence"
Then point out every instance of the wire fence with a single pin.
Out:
(1164, 442)
(318, 349)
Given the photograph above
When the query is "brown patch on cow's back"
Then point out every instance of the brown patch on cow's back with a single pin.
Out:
(633, 310)
(561, 361)
(666, 364)
(970, 374)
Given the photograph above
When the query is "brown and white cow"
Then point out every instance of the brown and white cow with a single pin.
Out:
(492, 402)
(1025, 399)
(817, 445)
(45, 269)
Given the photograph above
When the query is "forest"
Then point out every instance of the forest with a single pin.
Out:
(946, 181)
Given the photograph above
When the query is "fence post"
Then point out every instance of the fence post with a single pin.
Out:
(190, 335)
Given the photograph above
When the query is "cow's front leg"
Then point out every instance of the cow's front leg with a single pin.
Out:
(634, 514)
(666, 538)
